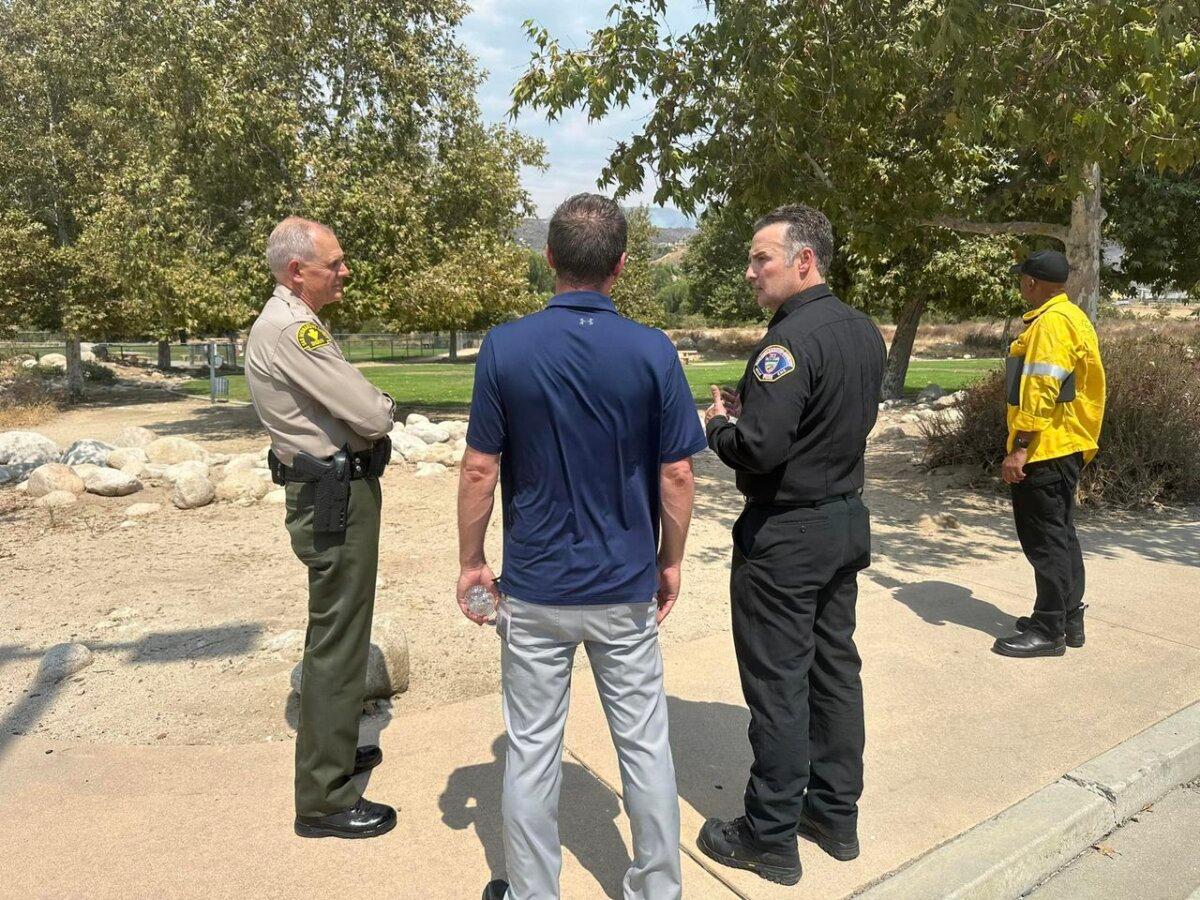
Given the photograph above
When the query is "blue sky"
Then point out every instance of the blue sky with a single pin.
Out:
(575, 149)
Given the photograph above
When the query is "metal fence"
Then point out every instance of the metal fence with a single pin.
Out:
(194, 354)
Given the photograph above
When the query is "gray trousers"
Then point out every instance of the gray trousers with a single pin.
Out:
(621, 640)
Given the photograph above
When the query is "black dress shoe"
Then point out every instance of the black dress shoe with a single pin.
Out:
(367, 758)
(495, 890)
(363, 820)
(731, 844)
(1075, 636)
(842, 847)
(1028, 644)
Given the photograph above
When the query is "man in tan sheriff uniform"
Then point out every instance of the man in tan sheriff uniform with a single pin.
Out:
(328, 428)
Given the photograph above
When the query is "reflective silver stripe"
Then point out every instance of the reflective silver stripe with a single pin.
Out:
(1045, 369)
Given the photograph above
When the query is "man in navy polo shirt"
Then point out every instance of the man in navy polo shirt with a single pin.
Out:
(587, 421)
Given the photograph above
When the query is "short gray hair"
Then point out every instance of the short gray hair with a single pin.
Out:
(291, 239)
(807, 227)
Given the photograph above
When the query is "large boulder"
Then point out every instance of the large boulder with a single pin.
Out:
(169, 451)
(929, 393)
(87, 451)
(245, 462)
(414, 418)
(445, 454)
(54, 477)
(16, 473)
(456, 428)
(428, 432)
(62, 661)
(110, 482)
(171, 474)
(23, 447)
(387, 662)
(56, 499)
(430, 470)
(53, 360)
(127, 458)
(134, 436)
(405, 445)
(193, 491)
(244, 484)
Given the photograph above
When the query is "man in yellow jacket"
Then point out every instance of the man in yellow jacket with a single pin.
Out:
(1055, 406)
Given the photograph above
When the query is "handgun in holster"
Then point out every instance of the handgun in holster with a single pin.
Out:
(331, 500)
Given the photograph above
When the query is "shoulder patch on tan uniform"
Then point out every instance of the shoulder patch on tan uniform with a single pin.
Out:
(311, 337)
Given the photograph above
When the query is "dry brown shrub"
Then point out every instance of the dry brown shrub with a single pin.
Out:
(26, 398)
(1150, 441)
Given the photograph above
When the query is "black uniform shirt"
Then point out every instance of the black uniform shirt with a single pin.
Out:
(810, 396)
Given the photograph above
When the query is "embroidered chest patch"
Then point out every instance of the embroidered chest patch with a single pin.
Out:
(773, 363)
(311, 337)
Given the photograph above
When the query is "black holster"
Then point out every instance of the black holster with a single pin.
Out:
(331, 499)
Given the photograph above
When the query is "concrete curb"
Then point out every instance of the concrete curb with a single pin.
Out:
(1015, 850)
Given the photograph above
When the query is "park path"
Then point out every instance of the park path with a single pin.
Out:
(955, 735)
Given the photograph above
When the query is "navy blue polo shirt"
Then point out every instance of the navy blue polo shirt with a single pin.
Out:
(583, 406)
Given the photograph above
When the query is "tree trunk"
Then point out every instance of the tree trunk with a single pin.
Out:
(164, 355)
(74, 371)
(901, 349)
(1083, 244)
(453, 345)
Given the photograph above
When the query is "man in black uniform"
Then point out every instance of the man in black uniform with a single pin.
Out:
(803, 410)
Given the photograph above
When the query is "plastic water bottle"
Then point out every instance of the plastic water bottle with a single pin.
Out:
(481, 602)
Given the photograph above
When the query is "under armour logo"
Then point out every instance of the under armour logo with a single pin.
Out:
(587, 321)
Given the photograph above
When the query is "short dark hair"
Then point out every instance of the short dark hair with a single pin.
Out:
(587, 237)
(807, 227)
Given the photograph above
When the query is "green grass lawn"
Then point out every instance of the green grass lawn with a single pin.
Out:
(445, 386)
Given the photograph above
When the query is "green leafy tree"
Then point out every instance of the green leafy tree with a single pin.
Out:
(541, 276)
(894, 118)
(633, 293)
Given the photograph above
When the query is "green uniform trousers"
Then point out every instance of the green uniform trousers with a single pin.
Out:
(341, 601)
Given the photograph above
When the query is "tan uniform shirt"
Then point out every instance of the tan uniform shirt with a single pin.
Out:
(308, 396)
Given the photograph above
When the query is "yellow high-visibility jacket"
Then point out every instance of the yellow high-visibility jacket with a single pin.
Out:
(1058, 343)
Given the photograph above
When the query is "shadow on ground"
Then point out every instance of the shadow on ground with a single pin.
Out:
(587, 815)
(154, 648)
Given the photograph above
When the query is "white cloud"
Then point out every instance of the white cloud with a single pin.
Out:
(576, 149)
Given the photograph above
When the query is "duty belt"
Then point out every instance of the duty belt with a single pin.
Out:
(807, 504)
(332, 477)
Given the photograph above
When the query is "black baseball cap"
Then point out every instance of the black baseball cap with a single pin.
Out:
(1044, 265)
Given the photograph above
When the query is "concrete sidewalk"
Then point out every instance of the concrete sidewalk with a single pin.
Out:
(955, 735)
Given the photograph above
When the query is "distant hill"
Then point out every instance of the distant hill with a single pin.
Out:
(532, 233)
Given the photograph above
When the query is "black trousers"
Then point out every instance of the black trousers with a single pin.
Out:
(1044, 510)
(793, 589)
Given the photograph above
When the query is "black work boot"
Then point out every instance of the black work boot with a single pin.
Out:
(495, 890)
(366, 758)
(1075, 636)
(363, 820)
(731, 844)
(843, 847)
(1028, 644)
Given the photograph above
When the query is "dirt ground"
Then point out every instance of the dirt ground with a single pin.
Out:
(179, 607)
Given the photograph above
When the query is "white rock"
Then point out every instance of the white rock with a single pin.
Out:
(22, 488)
(456, 428)
(56, 499)
(193, 491)
(290, 643)
(445, 454)
(110, 482)
(172, 450)
(27, 447)
(242, 462)
(87, 451)
(126, 457)
(387, 662)
(929, 393)
(429, 470)
(140, 510)
(428, 432)
(134, 436)
(952, 416)
(28, 363)
(460, 446)
(87, 356)
(54, 477)
(910, 418)
(55, 360)
(414, 418)
(277, 497)
(128, 523)
(192, 467)
(243, 485)
(404, 445)
(62, 661)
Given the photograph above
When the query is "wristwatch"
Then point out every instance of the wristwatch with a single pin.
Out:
(1022, 443)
